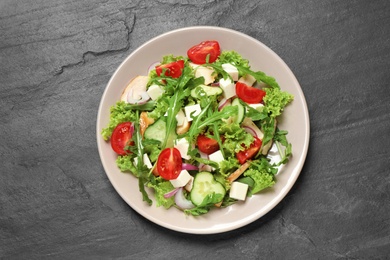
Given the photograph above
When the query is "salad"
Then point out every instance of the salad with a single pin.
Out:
(197, 130)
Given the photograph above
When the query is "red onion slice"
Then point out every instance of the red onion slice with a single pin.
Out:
(181, 200)
(171, 193)
(250, 130)
(131, 129)
(153, 66)
(189, 167)
(223, 103)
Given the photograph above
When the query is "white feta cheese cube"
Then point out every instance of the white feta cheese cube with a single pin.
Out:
(182, 145)
(228, 87)
(216, 156)
(238, 190)
(189, 184)
(205, 167)
(247, 79)
(183, 178)
(180, 117)
(231, 70)
(146, 161)
(258, 106)
(155, 91)
(195, 109)
(205, 72)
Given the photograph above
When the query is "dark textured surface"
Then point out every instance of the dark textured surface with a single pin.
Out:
(56, 59)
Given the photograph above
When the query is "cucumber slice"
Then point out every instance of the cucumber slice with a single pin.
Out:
(202, 90)
(206, 190)
(156, 131)
(241, 111)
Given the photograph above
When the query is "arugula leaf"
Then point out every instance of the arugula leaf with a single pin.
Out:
(143, 173)
(207, 162)
(211, 199)
(229, 165)
(254, 114)
(160, 108)
(151, 147)
(200, 122)
(281, 140)
(197, 211)
(175, 104)
(268, 128)
(259, 76)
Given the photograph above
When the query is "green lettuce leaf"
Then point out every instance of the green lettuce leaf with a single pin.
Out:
(160, 187)
(125, 164)
(275, 100)
(262, 173)
(236, 138)
(233, 58)
(118, 114)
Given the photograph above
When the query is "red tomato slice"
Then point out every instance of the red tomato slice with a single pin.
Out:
(249, 94)
(173, 69)
(249, 153)
(198, 53)
(169, 163)
(207, 145)
(120, 138)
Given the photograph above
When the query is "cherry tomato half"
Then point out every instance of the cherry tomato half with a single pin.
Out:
(198, 53)
(249, 153)
(121, 137)
(169, 163)
(173, 69)
(249, 94)
(206, 144)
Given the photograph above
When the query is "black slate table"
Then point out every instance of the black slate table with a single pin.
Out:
(56, 201)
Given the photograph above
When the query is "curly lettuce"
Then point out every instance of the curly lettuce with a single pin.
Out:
(161, 187)
(236, 138)
(275, 101)
(124, 112)
(262, 174)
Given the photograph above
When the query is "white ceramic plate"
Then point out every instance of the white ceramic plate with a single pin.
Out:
(295, 120)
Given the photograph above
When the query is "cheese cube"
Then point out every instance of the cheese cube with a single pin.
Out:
(183, 178)
(247, 79)
(231, 70)
(205, 72)
(205, 167)
(182, 145)
(189, 184)
(228, 87)
(190, 109)
(180, 117)
(216, 156)
(258, 106)
(238, 190)
(155, 91)
(146, 161)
